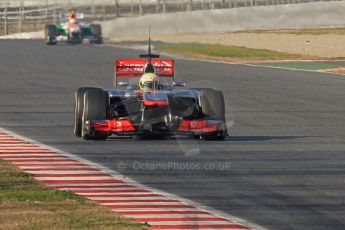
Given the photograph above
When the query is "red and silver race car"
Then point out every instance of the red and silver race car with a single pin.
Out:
(159, 113)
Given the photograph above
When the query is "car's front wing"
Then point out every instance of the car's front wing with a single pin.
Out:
(126, 127)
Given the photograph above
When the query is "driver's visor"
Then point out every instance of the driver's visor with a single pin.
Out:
(149, 85)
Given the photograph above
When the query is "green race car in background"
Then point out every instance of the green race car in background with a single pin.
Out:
(73, 31)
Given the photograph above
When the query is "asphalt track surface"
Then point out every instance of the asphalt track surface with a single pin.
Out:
(283, 166)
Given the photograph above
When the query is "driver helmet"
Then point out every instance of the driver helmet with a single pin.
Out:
(148, 82)
(72, 16)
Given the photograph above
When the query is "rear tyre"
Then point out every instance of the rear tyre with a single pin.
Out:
(78, 109)
(213, 108)
(95, 108)
(50, 33)
(96, 30)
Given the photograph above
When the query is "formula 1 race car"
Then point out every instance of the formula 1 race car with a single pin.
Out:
(72, 30)
(160, 112)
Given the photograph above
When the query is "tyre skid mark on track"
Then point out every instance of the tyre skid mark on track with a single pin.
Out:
(66, 172)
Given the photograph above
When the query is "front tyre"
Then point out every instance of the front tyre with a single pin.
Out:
(78, 109)
(50, 34)
(213, 108)
(95, 108)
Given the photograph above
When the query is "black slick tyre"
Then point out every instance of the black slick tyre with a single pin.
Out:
(95, 108)
(213, 108)
(78, 109)
(50, 33)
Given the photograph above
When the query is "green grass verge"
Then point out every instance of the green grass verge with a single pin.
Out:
(27, 204)
(221, 52)
(305, 65)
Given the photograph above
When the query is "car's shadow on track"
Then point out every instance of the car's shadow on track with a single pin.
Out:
(261, 138)
(227, 139)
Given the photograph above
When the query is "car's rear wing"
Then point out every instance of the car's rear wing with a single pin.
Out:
(131, 68)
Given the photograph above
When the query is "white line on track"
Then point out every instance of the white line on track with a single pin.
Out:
(169, 215)
(74, 178)
(23, 155)
(100, 189)
(34, 158)
(127, 198)
(84, 184)
(63, 172)
(25, 151)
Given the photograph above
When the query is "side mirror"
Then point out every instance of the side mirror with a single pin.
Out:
(123, 83)
(179, 83)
